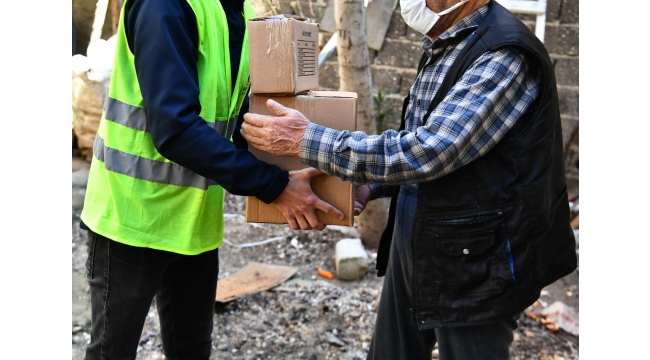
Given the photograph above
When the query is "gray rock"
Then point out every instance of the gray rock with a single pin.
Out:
(330, 338)
(80, 177)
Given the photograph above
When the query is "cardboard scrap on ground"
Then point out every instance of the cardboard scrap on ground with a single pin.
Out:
(253, 278)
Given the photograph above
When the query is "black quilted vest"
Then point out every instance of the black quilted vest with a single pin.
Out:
(462, 273)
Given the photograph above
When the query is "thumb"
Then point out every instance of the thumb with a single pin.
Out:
(276, 108)
(313, 172)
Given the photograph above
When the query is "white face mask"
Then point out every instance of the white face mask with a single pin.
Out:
(419, 17)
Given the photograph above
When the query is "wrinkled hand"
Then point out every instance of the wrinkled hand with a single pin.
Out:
(361, 198)
(298, 202)
(278, 135)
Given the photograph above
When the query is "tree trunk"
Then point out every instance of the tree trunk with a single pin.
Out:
(354, 71)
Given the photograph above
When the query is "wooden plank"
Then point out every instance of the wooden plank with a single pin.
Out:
(378, 15)
(253, 278)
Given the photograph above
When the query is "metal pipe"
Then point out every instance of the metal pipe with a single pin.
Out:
(327, 51)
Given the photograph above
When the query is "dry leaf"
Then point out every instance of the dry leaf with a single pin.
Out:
(543, 351)
(553, 327)
(529, 334)
(532, 317)
(558, 357)
(543, 293)
(536, 303)
(569, 293)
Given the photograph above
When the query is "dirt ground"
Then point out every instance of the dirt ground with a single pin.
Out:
(308, 316)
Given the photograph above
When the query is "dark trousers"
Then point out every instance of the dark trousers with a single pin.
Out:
(123, 282)
(397, 336)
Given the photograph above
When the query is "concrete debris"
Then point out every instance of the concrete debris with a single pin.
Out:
(351, 259)
(345, 230)
(330, 338)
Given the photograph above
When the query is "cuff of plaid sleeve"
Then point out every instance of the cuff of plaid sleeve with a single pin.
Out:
(376, 191)
(317, 148)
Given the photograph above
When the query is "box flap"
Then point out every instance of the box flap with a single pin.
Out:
(332, 94)
(281, 17)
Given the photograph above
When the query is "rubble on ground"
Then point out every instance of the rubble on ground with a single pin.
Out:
(308, 316)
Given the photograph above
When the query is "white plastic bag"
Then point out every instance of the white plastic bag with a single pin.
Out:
(564, 316)
(90, 80)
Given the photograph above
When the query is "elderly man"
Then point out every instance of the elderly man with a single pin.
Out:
(481, 214)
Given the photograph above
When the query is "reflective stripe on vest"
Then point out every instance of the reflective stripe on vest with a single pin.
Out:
(135, 118)
(146, 169)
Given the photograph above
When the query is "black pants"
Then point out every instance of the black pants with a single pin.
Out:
(123, 282)
(396, 335)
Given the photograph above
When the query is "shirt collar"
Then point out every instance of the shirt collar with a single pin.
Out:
(470, 21)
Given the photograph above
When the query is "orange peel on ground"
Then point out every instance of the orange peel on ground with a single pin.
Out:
(325, 274)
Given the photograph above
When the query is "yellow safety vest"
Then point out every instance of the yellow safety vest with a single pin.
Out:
(136, 196)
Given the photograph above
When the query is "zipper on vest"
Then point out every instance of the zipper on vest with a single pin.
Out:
(466, 219)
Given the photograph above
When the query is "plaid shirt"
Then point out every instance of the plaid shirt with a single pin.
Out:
(478, 111)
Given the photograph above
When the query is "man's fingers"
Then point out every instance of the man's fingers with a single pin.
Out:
(252, 131)
(358, 208)
(276, 108)
(304, 223)
(257, 143)
(328, 209)
(292, 223)
(317, 225)
(313, 221)
(255, 119)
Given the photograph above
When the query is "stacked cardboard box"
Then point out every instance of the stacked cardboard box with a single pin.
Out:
(283, 55)
(283, 58)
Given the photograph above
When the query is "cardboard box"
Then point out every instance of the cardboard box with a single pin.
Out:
(283, 55)
(334, 109)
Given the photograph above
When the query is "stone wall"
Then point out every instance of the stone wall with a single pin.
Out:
(393, 68)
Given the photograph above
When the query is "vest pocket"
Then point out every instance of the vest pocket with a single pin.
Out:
(468, 255)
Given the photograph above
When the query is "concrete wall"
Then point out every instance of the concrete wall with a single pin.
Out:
(394, 67)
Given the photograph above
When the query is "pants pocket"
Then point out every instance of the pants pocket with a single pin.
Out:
(90, 261)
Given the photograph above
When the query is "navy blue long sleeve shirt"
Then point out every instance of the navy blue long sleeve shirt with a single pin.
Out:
(163, 37)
